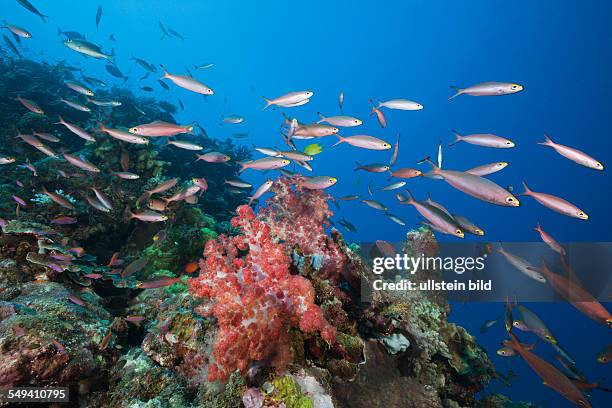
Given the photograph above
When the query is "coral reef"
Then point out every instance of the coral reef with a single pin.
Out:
(271, 316)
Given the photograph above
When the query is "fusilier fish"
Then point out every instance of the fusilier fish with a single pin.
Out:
(28, 6)
(372, 168)
(290, 99)
(58, 199)
(486, 140)
(314, 130)
(88, 49)
(126, 175)
(124, 136)
(78, 87)
(148, 216)
(76, 105)
(556, 203)
(81, 163)
(574, 155)
(437, 218)
(467, 225)
(318, 182)
(406, 173)
(30, 105)
(213, 157)
(380, 116)
(160, 128)
(261, 190)
(18, 31)
(488, 89)
(400, 104)
(343, 121)
(522, 265)
(549, 240)
(185, 145)
(364, 142)
(487, 169)
(76, 130)
(477, 187)
(266, 163)
(187, 82)
(393, 186)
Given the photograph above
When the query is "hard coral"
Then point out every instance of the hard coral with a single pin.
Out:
(254, 298)
(298, 217)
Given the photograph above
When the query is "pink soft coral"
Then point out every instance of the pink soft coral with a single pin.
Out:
(299, 216)
(254, 298)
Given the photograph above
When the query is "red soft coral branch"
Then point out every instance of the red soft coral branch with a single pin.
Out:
(254, 298)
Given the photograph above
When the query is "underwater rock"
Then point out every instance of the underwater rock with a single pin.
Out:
(136, 381)
(48, 340)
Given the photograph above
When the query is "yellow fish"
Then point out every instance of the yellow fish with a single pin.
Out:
(313, 149)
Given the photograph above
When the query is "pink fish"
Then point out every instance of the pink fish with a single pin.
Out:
(318, 182)
(266, 163)
(572, 154)
(29, 139)
(406, 173)
(77, 300)
(30, 105)
(200, 182)
(556, 203)
(20, 201)
(81, 163)
(58, 199)
(382, 121)
(261, 190)
(76, 130)
(126, 175)
(549, 240)
(159, 128)
(148, 216)
(93, 275)
(158, 283)
(64, 220)
(213, 157)
(364, 142)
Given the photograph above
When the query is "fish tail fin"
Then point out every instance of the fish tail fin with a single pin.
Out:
(268, 103)
(434, 169)
(410, 197)
(358, 166)
(527, 190)
(340, 140)
(538, 228)
(61, 120)
(243, 167)
(380, 104)
(458, 138)
(456, 89)
(321, 116)
(547, 141)
(59, 32)
(166, 74)
(42, 16)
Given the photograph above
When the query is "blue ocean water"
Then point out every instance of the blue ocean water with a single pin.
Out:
(558, 50)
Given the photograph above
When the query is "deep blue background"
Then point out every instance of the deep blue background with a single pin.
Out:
(558, 50)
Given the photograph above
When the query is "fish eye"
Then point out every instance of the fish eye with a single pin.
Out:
(458, 231)
(581, 403)
(510, 199)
